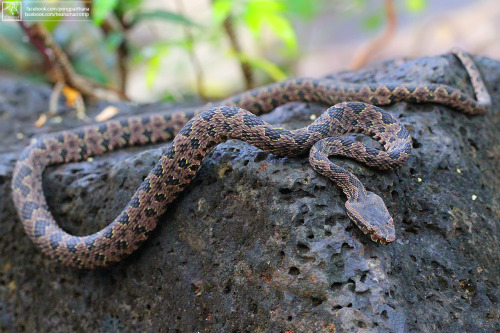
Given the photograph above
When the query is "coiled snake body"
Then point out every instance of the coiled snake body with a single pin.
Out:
(235, 118)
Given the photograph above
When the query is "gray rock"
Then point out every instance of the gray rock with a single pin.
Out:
(260, 243)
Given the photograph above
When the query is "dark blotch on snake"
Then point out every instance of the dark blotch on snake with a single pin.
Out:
(90, 241)
(229, 111)
(134, 202)
(170, 152)
(195, 143)
(170, 180)
(108, 233)
(252, 121)
(120, 245)
(149, 212)
(28, 208)
(71, 244)
(208, 114)
(40, 226)
(402, 133)
(275, 133)
(145, 186)
(183, 163)
(372, 151)
(387, 119)
(394, 154)
(55, 240)
(323, 129)
(123, 218)
(159, 197)
(157, 170)
(336, 113)
(301, 139)
(187, 129)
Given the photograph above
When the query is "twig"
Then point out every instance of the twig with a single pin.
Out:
(62, 67)
(38, 44)
(112, 23)
(198, 71)
(54, 98)
(246, 69)
(362, 58)
(122, 54)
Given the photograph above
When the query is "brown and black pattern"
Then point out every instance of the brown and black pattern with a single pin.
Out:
(327, 92)
(235, 118)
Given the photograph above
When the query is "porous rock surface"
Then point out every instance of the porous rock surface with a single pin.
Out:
(259, 243)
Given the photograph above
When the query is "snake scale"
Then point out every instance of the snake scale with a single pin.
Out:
(233, 118)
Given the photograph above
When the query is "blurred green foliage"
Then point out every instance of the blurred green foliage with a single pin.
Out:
(95, 54)
(416, 5)
(377, 18)
(274, 14)
(253, 15)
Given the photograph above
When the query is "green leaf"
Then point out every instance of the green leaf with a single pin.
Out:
(221, 10)
(416, 5)
(168, 97)
(284, 30)
(87, 68)
(362, 3)
(154, 55)
(152, 67)
(52, 24)
(101, 9)
(113, 40)
(165, 16)
(269, 68)
(303, 8)
(15, 55)
(373, 21)
(254, 22)
(267, 6)
(128, 6)
(270, 13)
(263, 64)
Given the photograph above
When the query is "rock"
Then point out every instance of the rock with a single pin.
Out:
(260, 243)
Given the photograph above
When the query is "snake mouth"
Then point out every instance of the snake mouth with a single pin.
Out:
(370, 214)
(384, 234)
(383, 239)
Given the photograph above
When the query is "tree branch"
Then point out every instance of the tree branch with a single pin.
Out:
(362, 58)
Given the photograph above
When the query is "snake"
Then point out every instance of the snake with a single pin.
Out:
(195, 133)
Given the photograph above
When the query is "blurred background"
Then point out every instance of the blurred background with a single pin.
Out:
(179, 50)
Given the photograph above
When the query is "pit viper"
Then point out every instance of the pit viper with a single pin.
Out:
(195, 134)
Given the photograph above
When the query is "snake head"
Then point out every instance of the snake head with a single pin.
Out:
(370, 214)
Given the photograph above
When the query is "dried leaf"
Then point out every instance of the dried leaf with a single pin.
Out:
(108, 113)
(41, 121)
(71, 95)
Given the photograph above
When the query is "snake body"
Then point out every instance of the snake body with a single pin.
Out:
(234, 118)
